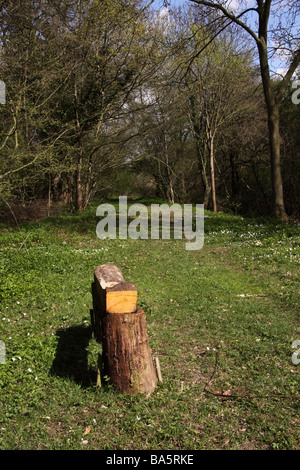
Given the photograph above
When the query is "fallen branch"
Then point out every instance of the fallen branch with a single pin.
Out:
(228, 394)
(158, 370)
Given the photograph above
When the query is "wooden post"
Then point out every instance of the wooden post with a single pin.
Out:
(157, 364)
(121, 328)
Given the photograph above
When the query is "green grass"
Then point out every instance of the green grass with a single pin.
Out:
(221, 320)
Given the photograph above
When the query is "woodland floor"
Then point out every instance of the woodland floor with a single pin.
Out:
(222, 321)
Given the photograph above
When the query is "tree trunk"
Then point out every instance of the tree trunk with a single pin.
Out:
(79, 195)
(170, 191)
(235, 179)
(277, 185)
(207, 187)
(78, 174)
(201, 148)
(201, 155)
(171, 198)
(88, 184)
(126, 354)
(274, 133)
(212, 172)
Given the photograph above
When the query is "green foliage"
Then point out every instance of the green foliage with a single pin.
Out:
(69, 69)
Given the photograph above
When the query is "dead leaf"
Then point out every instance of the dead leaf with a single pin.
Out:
(288, 274)
(223, 393)
(87, 430)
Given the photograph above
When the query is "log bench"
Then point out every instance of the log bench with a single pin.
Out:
(120, 326)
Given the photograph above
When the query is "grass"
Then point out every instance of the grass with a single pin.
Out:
(221, 320)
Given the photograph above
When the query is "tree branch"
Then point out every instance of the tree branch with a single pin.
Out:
(14, 170)
(229, 15)
(284, 83)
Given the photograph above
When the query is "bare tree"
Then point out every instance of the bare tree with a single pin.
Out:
(286, 41)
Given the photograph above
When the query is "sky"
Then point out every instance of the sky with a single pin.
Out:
(277, 63)
(160, 3)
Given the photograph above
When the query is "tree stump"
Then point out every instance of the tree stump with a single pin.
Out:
(121, 328)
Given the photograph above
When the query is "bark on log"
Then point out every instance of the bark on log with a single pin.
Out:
(121, 327)
(126, 353)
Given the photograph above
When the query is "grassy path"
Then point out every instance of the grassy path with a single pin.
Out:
(222, 321)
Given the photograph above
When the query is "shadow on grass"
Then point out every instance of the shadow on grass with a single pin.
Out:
(71, 359)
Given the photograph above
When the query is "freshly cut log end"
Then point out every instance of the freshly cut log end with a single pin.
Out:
(121, 298)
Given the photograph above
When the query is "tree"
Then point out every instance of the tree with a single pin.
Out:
(106, 46)
(27, 65)
(287, 43)
(165, 142)
(222, 93)
(216, 86)
(289, 130)
(70, 68)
